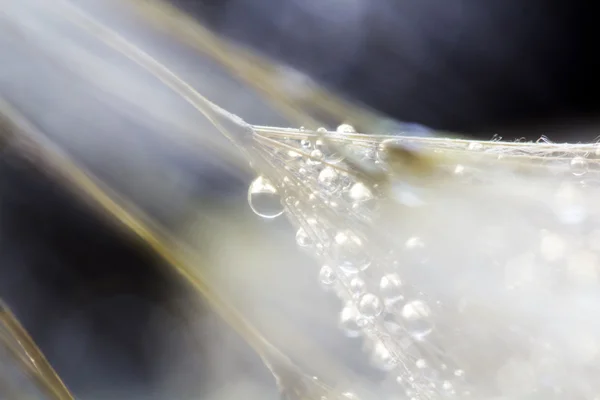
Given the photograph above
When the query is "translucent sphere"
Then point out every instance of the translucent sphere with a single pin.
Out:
(345, 128)
(350, 252)
(264, 199)
(327, 275)
(579, 166)
(303, 239)
(391, 290)
(417, 317)
(316, 157)
(329, 179)
(369, 305)
(362, 198)
(348, 321)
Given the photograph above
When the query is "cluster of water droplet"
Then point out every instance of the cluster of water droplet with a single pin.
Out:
(334, 210)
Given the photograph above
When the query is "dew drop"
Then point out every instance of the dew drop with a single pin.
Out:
(357, 286)
(303, 239)
(579, 166)
(391, 290)
(329, 179)
(327, 275)
(316, 157)
(264, 199)
(350, 252)
(370, 305)
(345, 128)
(416, 315)
(348, 321)
(306, 144)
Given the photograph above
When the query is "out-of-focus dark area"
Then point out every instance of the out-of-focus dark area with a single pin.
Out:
(102, 308)
(465, 66)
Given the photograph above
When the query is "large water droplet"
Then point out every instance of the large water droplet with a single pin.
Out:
(264, 199)
(345, 128)
(362, 198)
(329, 179)
(357, 286)
(316, 157)
(370, 305)
(417, 315)
(350, 252)
(579, 166)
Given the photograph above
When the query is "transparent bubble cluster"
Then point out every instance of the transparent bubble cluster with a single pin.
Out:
(442, 252)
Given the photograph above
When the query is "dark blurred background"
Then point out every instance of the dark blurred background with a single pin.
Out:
(511, 67)
(463, 65)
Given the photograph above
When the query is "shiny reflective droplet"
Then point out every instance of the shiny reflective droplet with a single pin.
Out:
(579, 166)
(382, 358)
(357, 286)
(316, 157)
(348, 321)
(362, 198)
(264, 199)
(370, 305)
(306, 144)
(416, 315)
(345, 128)
(327, 275)
(303, 239)
(349, 249)
(329, 179)
(391, 290)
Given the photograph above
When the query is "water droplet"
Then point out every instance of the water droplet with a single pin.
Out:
(579, 166)
(417, 315)
(350, 252)
(356, 286)
(370, 305)
(415, 250)
(327, 275)
(345, 128)
(348, 321)
(382, 358)
(362, 198)
(306, 144)
(316, 156)
(329, 179)
(264, 199)
(391, 290)
(303, 239)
